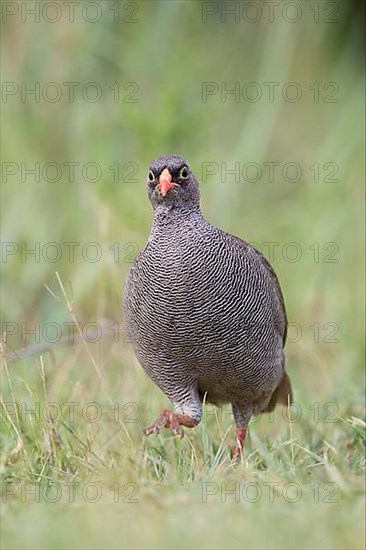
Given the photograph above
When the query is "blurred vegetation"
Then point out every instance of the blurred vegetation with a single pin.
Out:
(167, 55)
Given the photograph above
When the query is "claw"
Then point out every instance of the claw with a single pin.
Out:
(151, 430)
(177, 430)
(174, 422)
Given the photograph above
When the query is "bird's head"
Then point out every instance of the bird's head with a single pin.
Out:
(170, 181)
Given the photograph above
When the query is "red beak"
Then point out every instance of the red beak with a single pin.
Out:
(165, 182)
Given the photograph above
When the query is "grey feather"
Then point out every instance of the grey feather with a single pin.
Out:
(204, 309)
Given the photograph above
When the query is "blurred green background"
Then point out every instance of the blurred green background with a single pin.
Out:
(149, 62)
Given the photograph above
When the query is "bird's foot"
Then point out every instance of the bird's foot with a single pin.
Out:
(240, 439)
(173, 421)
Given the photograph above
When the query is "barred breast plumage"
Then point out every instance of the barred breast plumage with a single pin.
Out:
(204, 311)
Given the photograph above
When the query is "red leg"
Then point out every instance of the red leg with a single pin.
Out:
(173, 421)
(240, 439)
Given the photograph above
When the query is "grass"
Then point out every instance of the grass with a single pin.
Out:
(78, 473)
(300, 483)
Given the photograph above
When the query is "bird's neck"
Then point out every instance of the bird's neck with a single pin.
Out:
(171, 216)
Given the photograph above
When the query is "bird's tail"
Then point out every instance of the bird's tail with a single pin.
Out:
(282, 394)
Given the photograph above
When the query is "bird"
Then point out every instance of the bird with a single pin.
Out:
(204, 311)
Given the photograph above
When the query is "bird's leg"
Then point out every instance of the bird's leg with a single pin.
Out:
(173, 421)
(242, 414)
(240, 439)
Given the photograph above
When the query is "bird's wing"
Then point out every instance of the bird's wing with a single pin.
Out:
(276, 285)
(242, 247)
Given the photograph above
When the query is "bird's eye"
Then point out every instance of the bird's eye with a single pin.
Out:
(184, 173)
(151, 176)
